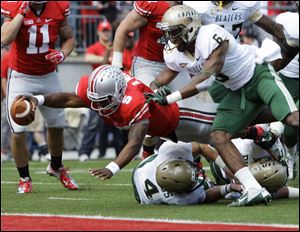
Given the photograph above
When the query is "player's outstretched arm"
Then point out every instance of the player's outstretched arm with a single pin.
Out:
(55, 100)
(163, 78)
(132, 22)
(277, 31)
(212, 66)
(136, 136)
(217, 192)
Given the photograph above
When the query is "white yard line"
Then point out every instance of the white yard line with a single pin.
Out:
(68, 199)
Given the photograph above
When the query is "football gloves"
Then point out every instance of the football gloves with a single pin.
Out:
(24, 8)
(55, 57)
(160, 96)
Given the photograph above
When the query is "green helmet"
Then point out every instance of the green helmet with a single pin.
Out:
(271, 174)
(177, 175)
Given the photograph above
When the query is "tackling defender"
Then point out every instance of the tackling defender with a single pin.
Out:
(211, 50)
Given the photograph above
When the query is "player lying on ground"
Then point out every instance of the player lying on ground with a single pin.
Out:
(172, 177)
(271, 174)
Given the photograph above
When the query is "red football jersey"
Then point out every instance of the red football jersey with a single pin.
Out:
(162, 119)
(36, 35)
(148, 46)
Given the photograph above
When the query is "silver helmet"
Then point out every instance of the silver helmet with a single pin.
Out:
(271, 174)
(180, 21)
(106, 89)
(177, 175)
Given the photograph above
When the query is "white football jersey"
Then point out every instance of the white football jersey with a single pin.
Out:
(144, 177)
(231, 17)
(290, 22)
(239, 64)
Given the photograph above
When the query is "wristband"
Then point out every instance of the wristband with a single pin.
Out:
(174, 97)
(117, 59)
(220, 162)
(40, 99)
(113, 167)
(225, 189)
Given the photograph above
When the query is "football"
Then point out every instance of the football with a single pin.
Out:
(22, 112)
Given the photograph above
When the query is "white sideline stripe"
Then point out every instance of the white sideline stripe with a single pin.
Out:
(68, 198)
(284, 90)
(151, 220)
(39, 183)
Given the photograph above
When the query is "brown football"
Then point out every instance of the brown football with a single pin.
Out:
(22, 112)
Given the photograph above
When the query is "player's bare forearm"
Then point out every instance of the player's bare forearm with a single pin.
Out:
(136, 136)
(132, 22)
(287, 52)
(212, 66)
(10, 29)
(270, 26)
(163, 78)
(63, 100)
(66, 35)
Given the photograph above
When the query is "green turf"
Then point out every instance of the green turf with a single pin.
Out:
(115, 198)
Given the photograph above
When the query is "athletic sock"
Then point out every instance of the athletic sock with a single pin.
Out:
(247, 179)
(293, 192)
(24, 172)
(56, 162)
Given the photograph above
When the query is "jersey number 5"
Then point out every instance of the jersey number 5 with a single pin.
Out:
(33, 32)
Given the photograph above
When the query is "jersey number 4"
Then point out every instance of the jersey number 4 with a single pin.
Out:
(150, 188)
(33, 32)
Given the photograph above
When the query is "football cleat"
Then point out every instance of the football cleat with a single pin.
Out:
(252, 197)
(61, 174)
(25, 185)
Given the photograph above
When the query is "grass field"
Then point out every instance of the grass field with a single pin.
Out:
(115, 198)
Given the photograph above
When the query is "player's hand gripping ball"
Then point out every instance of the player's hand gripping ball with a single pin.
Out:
(22, 112)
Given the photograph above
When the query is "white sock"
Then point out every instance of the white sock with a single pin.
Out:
(247, 179)
(293, 192)
(292, 152)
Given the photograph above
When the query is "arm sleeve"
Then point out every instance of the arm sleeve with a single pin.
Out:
(170, 61)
